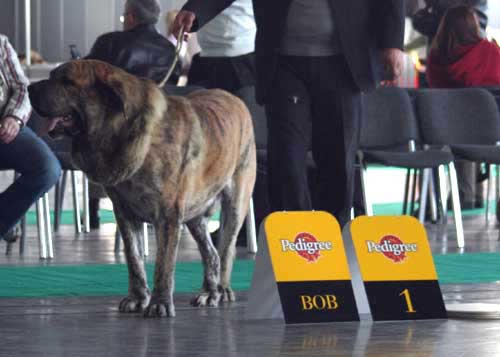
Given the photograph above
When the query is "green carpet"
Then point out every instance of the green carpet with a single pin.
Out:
(101, 280)
(111, 280)
(106, 216)
(397, 208)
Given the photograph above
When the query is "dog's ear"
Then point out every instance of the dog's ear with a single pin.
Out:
(105, 76)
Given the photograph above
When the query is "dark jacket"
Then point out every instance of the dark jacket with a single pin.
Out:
(141, 51)
(364, 26)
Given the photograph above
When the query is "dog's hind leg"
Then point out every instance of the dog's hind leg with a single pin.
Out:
(138, 291)
(210, 295)
(235, 203)
(167, 237)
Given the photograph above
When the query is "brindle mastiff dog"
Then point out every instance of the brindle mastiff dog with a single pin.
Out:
(162, 159)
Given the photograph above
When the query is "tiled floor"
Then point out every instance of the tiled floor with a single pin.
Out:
(93, 327)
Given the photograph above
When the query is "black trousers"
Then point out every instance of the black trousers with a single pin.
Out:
(314, 106)
(228, 73)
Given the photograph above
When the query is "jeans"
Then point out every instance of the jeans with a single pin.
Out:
(29, 156)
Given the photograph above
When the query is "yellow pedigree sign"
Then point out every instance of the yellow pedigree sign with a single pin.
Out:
(392, 248)
(306, 246)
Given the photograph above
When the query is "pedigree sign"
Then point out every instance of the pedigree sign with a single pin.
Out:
(392, 248)
(397, 268)
(310, 267)
(306, 246)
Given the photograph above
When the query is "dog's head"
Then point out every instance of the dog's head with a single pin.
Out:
(81, 97)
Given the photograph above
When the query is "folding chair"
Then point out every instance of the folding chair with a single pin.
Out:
(390, 137)
(466, 120)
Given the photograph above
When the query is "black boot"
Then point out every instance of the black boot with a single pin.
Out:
(94, 213)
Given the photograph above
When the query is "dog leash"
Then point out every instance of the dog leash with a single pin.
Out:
(178, 49)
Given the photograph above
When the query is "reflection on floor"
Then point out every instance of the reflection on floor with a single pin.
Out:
(92, 326)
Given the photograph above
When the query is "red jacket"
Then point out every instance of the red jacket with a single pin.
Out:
(478, 66)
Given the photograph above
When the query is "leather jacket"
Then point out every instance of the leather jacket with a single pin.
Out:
(141, 51)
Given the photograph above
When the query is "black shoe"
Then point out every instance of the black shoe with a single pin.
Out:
(94, 213)
(427, 216)
(13, 234)
(215, 237)
(241, 241)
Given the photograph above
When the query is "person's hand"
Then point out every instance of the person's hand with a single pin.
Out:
(392, 59)
(9, 128)
(183, 19)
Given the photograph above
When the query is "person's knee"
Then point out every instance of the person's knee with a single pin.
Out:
(49, 172)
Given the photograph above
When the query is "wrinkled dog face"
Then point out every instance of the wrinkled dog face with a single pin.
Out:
(78, 98)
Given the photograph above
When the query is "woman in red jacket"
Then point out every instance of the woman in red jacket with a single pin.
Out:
(461, 57)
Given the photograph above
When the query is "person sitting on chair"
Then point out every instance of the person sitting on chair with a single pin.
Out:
(140, 50)
(461, 57)
(20, 149)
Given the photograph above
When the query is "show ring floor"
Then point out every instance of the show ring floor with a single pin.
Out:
(92, 326)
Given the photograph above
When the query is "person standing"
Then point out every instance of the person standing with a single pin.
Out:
(313, 59)
(227, 44)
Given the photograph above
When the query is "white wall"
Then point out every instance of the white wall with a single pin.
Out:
(58, 23)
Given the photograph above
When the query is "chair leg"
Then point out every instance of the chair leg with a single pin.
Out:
(457, 212)
(364, 185)
(497, 186)
(118, 238)
(416, 179)
(86, 212)
(432, 197)
(41, 228)
(407, 191)
(443, 192)
(423, 195)
(48, 229)
(220, 231)
(57, 198)
(145, 240)
(64, 180)
(489, 186)
(22, 243)
(76, 204)
(251, 231)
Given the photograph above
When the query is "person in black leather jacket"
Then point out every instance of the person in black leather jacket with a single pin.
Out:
(139, 49)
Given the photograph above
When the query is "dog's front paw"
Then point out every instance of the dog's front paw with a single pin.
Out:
(160, 308)
(133, 304)
(210, 299)
(227, 294)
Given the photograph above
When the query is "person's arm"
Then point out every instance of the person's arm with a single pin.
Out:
(18, 106)
(390, 40)
(100, 49)
(391, 23)
(196, 13)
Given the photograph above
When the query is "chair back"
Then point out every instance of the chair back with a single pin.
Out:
(458, 116)
(388, 119)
